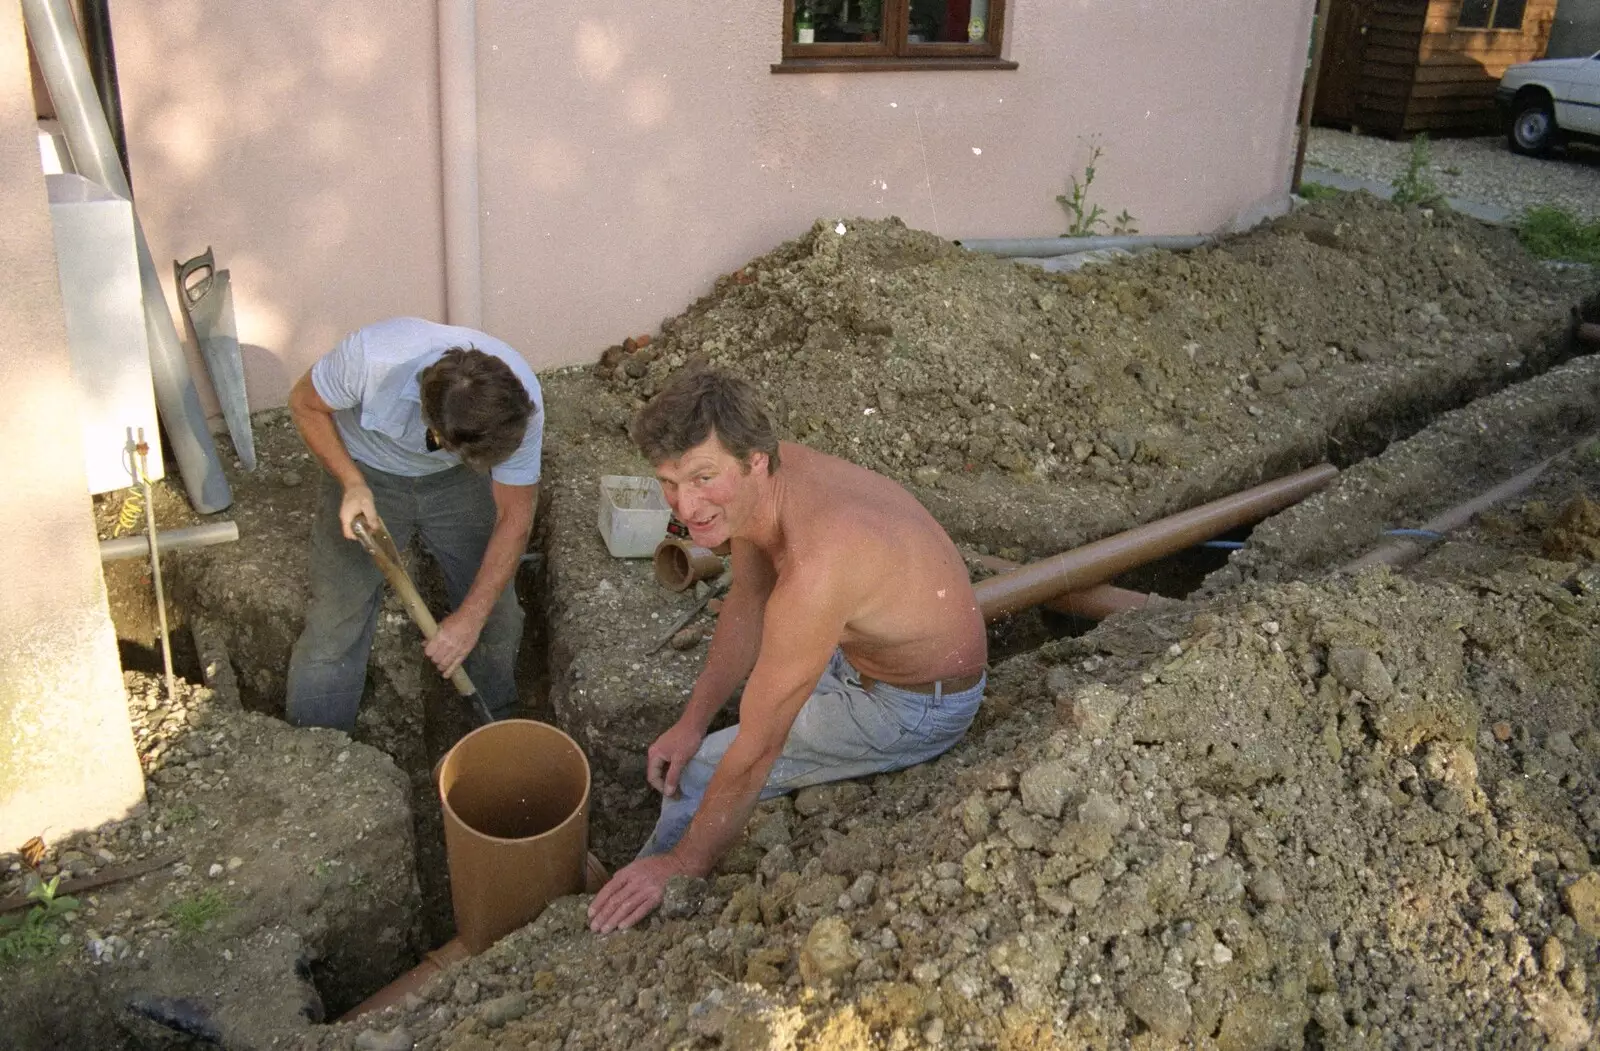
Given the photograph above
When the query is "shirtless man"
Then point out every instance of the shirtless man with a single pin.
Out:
(851, 615)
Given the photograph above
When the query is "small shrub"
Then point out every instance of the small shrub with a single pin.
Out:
(1415, 186)
(1555, 233)
(1087, 219)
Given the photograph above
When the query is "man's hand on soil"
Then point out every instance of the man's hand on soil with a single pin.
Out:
(633, 893)
(357, 500)
(668, 756)
(457, 635)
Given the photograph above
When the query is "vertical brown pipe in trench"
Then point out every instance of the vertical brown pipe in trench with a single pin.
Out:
(1102, 560)
(515, 795)
(1096, 603)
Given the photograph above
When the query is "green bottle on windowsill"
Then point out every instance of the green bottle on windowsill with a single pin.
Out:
(805, 31)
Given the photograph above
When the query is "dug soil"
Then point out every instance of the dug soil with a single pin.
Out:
(1301, 811)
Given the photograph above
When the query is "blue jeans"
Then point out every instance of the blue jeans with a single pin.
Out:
(842, 731)
(454, 512)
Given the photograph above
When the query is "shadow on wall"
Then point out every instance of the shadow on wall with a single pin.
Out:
(301, 140)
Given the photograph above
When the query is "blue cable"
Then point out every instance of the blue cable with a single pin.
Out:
(1224, 545)
(1425, 534)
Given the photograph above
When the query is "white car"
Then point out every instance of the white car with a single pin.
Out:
(1549, 102)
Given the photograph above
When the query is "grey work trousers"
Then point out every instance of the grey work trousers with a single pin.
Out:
(454, 512)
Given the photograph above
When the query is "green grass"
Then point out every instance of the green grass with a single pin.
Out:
(1555, 233)
(34, 938)
(193, 914)
(1316, 191)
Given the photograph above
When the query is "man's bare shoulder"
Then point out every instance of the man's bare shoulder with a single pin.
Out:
(837, 509)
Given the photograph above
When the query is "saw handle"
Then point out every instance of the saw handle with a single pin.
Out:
(197, 291)
(383, 552)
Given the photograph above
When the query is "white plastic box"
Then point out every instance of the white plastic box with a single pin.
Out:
(633, 515)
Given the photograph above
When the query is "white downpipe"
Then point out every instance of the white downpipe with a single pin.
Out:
(458, 154)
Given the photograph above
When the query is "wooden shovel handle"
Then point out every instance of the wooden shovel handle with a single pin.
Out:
(381, 547)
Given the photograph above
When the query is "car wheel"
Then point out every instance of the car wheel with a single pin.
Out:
(1533, 128)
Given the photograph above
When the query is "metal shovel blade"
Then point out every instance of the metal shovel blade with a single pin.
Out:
(207, 298)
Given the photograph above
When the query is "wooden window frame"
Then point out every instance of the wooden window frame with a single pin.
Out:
(892, 52)
(1489, 26)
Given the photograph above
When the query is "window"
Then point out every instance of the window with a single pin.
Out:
(1491, 14)
(892, 34)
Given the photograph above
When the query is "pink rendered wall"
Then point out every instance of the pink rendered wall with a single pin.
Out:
(301, 141)
(631, 152)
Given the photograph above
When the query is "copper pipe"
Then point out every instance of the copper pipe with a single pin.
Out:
(1096, 563)
(680, 564)
(1096, 603)
(1588, 332)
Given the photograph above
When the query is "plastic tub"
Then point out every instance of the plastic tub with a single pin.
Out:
(633, 515)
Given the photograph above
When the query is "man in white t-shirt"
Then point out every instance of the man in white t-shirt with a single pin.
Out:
(436, 430)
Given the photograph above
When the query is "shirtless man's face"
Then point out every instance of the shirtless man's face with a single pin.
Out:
(712, 491)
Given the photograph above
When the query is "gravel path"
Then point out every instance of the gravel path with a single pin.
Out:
(1477, 169)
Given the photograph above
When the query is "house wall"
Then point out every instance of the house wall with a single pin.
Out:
(1576, 31)
(300, 140)
(630, 153)
(67, 759)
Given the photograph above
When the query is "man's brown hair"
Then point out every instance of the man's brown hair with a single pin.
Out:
(476, 406)
(697, 404)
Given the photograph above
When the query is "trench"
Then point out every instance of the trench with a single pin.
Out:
(619, 808)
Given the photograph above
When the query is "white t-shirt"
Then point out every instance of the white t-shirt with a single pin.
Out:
(371, 381)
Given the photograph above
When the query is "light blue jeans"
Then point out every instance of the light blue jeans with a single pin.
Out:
(843, 731)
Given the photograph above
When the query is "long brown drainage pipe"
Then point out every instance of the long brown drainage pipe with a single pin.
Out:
(1400, 552)
(1096, 563)
(1588, 332)
(1096, 603)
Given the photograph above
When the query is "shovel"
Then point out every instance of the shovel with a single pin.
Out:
(378, 544)
(207, 299)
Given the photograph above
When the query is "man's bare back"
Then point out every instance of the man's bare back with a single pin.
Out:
(913, 617)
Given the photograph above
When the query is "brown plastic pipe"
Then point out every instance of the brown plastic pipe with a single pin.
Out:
(1400, 552)
(451, 952)
(679, 564)
(1096, 603)
(515, 797)
(1096, 563)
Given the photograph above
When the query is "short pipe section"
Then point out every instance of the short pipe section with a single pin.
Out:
(679, 564)
(1101, 561)
(169, 540)
(515, 796)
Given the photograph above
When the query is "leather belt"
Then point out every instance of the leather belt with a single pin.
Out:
(961, 685)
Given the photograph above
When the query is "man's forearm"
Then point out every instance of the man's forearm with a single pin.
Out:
(734, 647)
(730, 799)
(500, 560)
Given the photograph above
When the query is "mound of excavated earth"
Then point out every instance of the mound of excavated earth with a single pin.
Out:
(1360, 812)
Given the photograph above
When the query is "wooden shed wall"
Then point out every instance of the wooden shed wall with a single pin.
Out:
(1458, 69)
